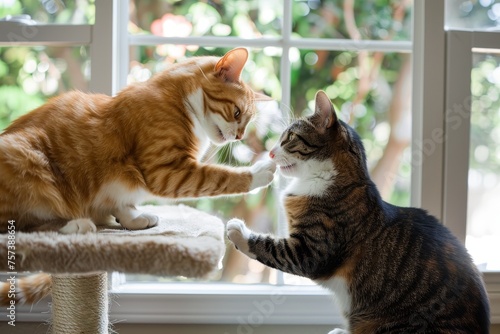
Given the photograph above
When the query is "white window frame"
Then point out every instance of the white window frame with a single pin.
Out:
(254, 305)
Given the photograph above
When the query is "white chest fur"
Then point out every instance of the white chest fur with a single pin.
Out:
(195, 103)
(340, 291)
(116, 195)
(202, 137)
(316, 177)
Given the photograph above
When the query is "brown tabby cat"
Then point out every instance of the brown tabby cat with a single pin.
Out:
(85, 159)
(393, 269)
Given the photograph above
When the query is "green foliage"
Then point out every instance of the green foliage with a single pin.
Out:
(326, 19)
(485, 116)
(14, 102)
(31, 75)
(51, 11)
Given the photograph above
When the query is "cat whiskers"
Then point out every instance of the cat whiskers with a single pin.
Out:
(224, 154)
(230, 154)
(288, 116)
(210, 154)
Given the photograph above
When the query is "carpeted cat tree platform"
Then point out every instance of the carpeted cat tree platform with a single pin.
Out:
(186, 242)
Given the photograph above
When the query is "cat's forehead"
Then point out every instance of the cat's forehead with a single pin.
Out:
(302, 125)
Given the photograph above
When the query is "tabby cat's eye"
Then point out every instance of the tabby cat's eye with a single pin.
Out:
(291, 135)
(237, 113)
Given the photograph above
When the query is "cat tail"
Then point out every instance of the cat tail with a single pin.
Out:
(26, 290)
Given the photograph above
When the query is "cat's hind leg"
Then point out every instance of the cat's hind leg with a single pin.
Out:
(133, 219)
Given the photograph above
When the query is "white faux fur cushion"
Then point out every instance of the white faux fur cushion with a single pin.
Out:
(186, 242)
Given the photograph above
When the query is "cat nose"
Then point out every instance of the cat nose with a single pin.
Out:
(239, 134)
(272, 155)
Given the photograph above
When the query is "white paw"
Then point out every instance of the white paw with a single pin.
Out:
(79, 226)
(239, 234)
(144, 220)
(338, 331)
(262, 173)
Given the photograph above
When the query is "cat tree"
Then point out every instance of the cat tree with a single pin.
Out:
(186, 242)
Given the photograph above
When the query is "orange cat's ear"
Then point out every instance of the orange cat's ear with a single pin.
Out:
(230, 66)
(324, 113)
(259, 97)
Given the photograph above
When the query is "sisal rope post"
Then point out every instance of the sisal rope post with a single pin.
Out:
(80, 303)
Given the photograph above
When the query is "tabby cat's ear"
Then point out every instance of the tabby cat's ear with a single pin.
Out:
(230, 66)
(325, 114)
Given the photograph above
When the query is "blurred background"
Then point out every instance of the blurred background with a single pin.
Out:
(370, 89)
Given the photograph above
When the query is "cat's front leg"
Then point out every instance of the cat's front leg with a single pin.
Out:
(297, 254)
(191, 179)
(239, 235)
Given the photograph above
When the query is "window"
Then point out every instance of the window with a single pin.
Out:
(38, 62)
(357, 66)
(360, 53)
(472, 110)
(483, 230)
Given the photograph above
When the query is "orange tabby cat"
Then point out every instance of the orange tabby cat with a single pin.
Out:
(82, 159)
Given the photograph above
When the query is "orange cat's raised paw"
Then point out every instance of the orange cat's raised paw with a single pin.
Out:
(262, 173)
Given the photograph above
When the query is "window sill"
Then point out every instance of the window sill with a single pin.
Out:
(225, 304)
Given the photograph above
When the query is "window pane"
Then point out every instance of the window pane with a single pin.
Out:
(247, 19)
(259, 210)
(374, 20)
(51, 11)
(372, 92)
(468, 14)
(382, 112)
(30, 75)
(483, 212)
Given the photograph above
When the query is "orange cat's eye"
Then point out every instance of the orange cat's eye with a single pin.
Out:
(237, 113)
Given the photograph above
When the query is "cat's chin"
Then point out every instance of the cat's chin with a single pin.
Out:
(218, 138)
(289, 170)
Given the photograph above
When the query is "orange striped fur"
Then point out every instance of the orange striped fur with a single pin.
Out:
(29, 289)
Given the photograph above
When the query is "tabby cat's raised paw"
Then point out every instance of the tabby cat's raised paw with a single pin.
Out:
(338, 331)
(239, 235)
